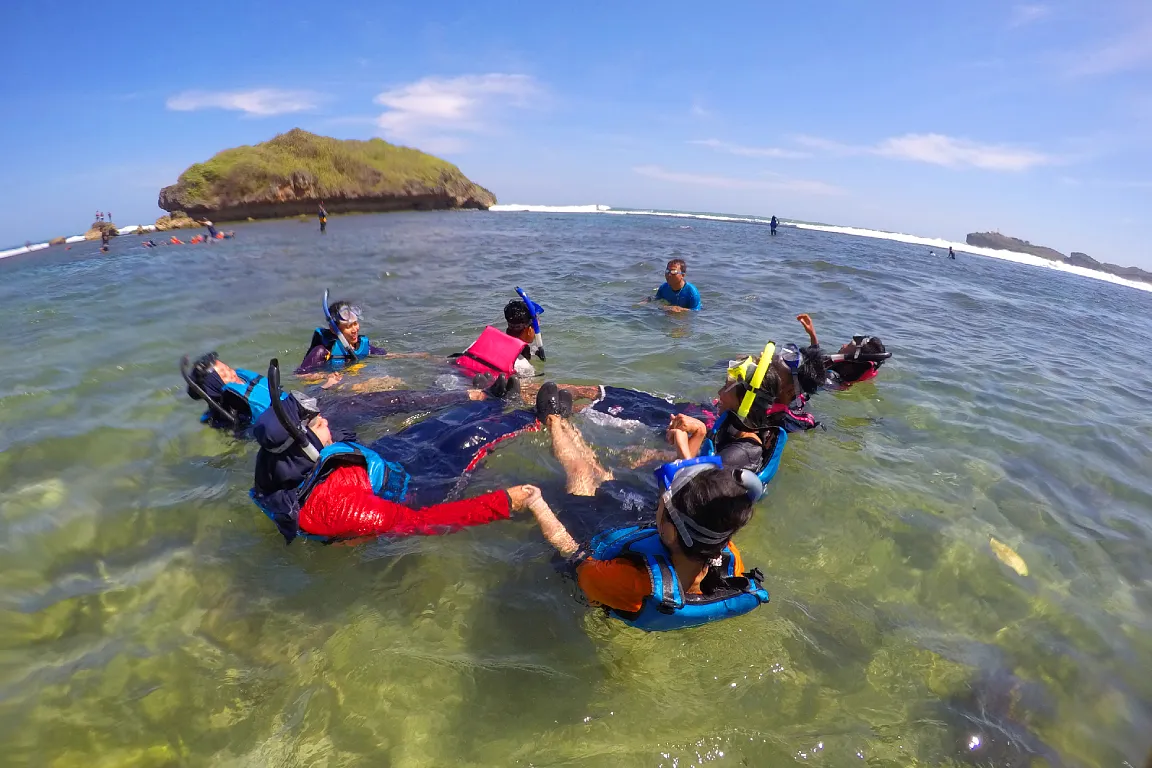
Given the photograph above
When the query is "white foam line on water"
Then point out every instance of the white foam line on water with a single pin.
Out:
(931, 242)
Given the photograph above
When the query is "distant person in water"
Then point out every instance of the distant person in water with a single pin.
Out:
(323, 214)
(680, 294)
(951, 253)
(773, 225)
(211, 229)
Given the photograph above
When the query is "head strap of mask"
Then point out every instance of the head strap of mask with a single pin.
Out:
(753, 386)
(212, 404)
(534, 311)
(308, 411)
(672, 477)
(859, 355)
(349, 350)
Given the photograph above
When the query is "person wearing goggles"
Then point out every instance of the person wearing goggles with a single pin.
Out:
(679, 294)
(316, 481)
(685, 570)
(236, 397)
(858, 360)
(745, 435)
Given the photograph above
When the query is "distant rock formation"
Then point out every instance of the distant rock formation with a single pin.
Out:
(57, 241)
(96, 231)
(176, 220)
(1001, 242)
(291, 174)
(1004, 243)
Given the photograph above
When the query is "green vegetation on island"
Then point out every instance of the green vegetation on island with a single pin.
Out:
(294, 172)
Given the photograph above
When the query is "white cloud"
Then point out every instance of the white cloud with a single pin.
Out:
(737, 149)
(1025, 14)
(938, 149)
(1132, 50)
(259, 102)
(779, 184)
(432, 112)
(950, 152)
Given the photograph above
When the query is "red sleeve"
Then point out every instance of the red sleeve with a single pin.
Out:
(344, 506)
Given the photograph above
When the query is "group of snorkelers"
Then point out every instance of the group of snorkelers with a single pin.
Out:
(678, 568)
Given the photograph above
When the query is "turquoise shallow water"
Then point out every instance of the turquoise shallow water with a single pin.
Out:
(150, 615)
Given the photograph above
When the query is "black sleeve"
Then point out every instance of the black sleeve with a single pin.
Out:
(742, 454)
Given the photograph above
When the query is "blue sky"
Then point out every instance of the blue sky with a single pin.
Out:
(1032, 118)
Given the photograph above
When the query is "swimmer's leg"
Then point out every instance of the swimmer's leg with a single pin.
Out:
(584, 472)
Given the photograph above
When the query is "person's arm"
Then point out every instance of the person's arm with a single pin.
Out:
(344, 506)
(691, 432)
(315, 360)
(694, 302)
(806, 321)
(554, 531)
(377, 351)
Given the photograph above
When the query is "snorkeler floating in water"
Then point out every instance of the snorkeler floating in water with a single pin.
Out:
(312, 482)
(681, 572)
(858, 360)
(237, 397)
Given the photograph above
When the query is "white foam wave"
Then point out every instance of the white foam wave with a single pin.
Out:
(74, 239)
(900, 237)
(23, 249)
(518, 208)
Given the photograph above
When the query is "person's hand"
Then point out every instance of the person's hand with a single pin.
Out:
(805, 321)
(671, 434)
(522, 495)
(332, 380)
(689, 424)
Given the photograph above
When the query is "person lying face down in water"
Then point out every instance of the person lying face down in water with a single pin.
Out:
(312, 482)
(237, 397)
(683, 571)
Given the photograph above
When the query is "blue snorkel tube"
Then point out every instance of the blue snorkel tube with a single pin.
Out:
(534, 311)
(349, 350)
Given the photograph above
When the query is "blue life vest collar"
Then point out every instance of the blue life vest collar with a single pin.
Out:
(668, 607)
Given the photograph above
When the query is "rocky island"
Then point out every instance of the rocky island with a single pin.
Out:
(1000, 242)
(292, 173)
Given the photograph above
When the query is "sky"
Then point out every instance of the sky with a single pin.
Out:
(1033, 119)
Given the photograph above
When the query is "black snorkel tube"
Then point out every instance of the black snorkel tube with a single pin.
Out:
(349, 350)
(859, 357)
(293, 429)
(212, 404)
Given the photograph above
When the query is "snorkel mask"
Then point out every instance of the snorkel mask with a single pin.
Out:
(672, 477)
(534, 312)
(345, 314)
(297, 431)
(203, 365)
(751, 375)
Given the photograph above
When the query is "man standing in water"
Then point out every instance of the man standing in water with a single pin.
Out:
(773, 225)
(323, 214)
(680, 294)
(951, 253)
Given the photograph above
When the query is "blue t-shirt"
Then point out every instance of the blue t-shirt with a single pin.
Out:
(687, 297)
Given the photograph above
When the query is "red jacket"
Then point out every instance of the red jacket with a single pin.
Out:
(343, 506)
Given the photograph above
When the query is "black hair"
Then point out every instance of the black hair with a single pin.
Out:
(678, 263)
(757, 418)
(812, 372)
(335, 307)
(851, 370)
(517, 314)
(717, 501)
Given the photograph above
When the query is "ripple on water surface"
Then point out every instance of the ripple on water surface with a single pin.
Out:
(149, 615)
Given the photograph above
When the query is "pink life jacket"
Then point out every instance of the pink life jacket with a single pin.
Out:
(494, 352)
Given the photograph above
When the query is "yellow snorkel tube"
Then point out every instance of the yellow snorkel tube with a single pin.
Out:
(757, 378)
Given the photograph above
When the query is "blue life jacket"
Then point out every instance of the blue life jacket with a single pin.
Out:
(389, 481)
(246, 401)
(774, 449)
(333, 344)
(668, 607)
